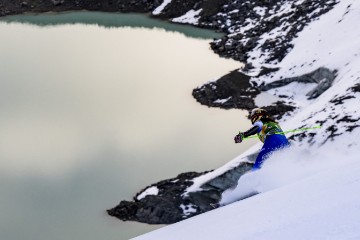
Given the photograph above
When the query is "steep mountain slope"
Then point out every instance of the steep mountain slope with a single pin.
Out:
(320, 78)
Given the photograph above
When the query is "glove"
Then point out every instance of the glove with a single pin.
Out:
(238, 138)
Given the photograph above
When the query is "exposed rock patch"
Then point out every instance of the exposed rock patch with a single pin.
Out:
(171, 205)
(355, 88)
(236, 90)
(323, 77)
(233, 90)
(163, 208)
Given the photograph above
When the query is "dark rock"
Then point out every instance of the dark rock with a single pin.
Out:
(355, 88)
(266, 71)
(234, 87)
(165, 208)
(279, 109)
(57, 2)
(236, 90)
(340, 100)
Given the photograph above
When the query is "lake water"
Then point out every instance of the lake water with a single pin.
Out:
(95, 107)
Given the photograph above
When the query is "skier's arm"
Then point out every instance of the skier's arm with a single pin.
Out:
(254, 130)
(251, 131)
(257, 126)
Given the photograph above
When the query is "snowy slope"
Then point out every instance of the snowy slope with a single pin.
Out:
(323, 205)
(310, 190)
(332, 42)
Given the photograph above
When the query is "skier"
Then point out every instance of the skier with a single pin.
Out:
(268, 131)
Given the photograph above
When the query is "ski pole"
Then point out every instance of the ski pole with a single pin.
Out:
(289, 131)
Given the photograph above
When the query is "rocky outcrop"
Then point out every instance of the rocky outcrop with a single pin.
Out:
(233, 90)
(170, 204)
(236, 90)
(162, 208)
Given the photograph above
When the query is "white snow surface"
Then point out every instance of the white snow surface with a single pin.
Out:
(191, 17)
(149, 191)
(309, 191)
(160, 8)
(222, 100)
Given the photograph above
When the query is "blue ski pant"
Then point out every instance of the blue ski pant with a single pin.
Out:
(272, 143)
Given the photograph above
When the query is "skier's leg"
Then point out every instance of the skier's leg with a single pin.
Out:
(272, 143)
(263, 155)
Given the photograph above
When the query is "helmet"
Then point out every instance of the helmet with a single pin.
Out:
(256, 114)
